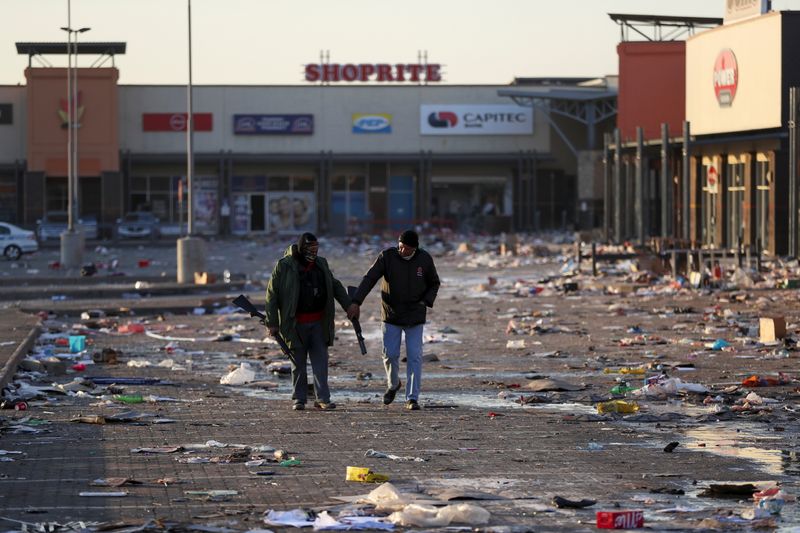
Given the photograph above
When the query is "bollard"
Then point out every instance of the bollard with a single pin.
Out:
(594, 259)
(688, 263)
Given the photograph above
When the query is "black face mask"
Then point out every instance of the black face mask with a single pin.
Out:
(309, 256)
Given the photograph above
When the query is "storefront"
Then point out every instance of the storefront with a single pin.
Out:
(285, 159)
(737, 85)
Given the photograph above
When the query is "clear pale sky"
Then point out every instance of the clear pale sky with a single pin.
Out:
(265, 42)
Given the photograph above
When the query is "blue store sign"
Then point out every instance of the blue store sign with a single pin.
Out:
(273, 124)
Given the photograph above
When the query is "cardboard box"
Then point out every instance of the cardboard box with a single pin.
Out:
(620, 519)
(772, 328)
(204, 278)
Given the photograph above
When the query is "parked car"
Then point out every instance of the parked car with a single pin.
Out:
(15, 241)
(138, 224)
(54, 223)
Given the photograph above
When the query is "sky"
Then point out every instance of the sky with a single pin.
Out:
(266, 42)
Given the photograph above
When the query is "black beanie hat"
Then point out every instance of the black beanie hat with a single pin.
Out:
(410, 238)
(304, 240)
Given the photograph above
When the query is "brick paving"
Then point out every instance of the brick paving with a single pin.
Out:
(527, 455)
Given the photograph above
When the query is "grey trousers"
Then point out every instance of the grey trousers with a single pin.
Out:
(315, 349)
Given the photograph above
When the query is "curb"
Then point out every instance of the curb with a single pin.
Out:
(7, 372)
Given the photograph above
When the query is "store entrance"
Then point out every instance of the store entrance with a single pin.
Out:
(472, 203)
(257, 219)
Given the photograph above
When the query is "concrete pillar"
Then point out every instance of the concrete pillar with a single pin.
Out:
(191, 258)
(72, 249)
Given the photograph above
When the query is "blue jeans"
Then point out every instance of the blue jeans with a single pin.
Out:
(391, 357)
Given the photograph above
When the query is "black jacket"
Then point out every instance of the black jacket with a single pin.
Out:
(408, 286)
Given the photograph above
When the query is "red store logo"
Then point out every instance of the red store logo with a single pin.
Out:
(726, 77)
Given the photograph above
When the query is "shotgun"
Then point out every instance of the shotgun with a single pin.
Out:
(351, 291)
(244, 304)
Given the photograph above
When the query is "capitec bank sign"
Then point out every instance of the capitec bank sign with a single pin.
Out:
(475, 120)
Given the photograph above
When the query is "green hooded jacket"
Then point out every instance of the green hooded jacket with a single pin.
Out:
(283, 292)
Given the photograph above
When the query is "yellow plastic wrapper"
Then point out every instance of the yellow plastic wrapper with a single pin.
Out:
(637, 370)
(617, 406)
(364, 475)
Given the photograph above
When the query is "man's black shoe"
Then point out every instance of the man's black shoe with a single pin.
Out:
(388, 396)
(412, 405)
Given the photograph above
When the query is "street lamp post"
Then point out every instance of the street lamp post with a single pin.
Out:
(71, 240)
(76, 173)
(191, 250)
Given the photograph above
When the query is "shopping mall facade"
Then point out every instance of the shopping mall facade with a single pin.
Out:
(327, 157)
(730, 183)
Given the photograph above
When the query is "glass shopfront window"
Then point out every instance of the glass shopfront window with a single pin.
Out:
(265, 204)
(735, 188)
(159, 195)
(348, 204)
(765, 181)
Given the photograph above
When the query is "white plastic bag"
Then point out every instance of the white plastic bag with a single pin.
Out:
(428, 516)
(240, 376)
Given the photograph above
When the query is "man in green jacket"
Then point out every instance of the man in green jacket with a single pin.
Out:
(300, 309)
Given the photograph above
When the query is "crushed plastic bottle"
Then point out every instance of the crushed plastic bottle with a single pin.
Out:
(622, 388)
(129, 398)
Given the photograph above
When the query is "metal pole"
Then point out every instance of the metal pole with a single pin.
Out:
(75, 124)
(666, 181)
(618, 186)
(639, 199)
(70, 107)
(190, 133)
(685, 179)
(793, 95)
(606, 188)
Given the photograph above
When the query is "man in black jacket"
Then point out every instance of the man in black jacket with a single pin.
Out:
(409, 286)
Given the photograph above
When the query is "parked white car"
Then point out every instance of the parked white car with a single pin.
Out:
(15, 241)
(54, 223)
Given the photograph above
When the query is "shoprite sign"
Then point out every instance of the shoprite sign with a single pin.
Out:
(373, 72)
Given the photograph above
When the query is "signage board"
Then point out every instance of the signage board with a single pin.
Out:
(475, 120)
(6, 114)
(373, 72)
(712, 180)
(372, 123)
(736, 10)
(734, 76)
(176, 121)
(273, 124)
(726, 77)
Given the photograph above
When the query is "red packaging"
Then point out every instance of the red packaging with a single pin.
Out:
(130, 328)
(620, 519)
(144, 263)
